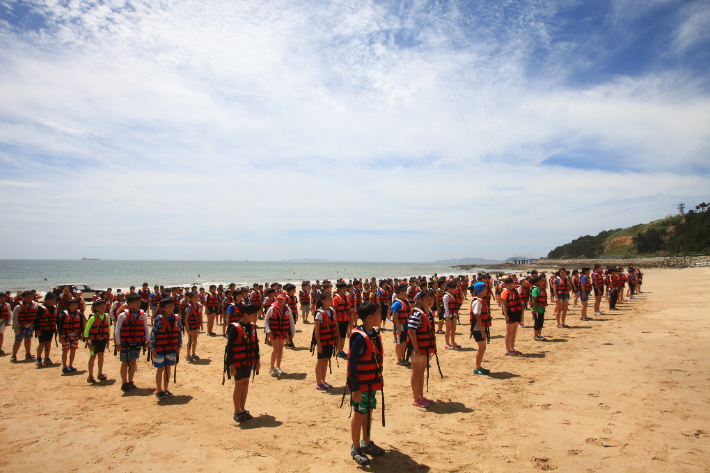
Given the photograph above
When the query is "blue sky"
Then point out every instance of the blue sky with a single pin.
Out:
(355, 130)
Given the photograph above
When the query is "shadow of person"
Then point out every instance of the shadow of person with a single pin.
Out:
(176, 400)
(74, 373)
(394, 461)
(298, 376)
(201, 361)
(259, 422)
(502, 375)
(448, 408)
(139, 392)
(106, 382)
(532, 355)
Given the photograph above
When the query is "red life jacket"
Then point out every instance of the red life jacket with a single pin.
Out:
(72, 323)
(62, 302)
(513, 302)
(133, 330)
(563, 287)
(426, 340)
(586, 286)
(292, 304)
(368, 366)
(168, 337)
(194, 318)
(236, 314)
(48, 319)
(439, 297)
(541, 299)
(145, 295)
(358, 296)
(99, 329)
(403, 314)
(27, 314)
(256, 298)
(5, 310)
(155, 300)
(245, 351)
(342, 308)
(485, 313)
(453, 304)
(576, 283)
(314, 295)
(411, 293)
(213, 302)
(303, 297)
(279, 322)
(328, 327)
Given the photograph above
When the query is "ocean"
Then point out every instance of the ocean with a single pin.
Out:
(45, 274)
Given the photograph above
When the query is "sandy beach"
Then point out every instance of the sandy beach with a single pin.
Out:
(628, 391)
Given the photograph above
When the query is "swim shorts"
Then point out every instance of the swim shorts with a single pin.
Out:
(367, 398)
(71, 341)
(163, 358)
(24, 332)
(98, 346)
(130, 352)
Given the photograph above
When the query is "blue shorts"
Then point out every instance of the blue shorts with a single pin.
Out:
(163, 358)
(130, 352)
(24, 332)
(562, 297)
(581, 296)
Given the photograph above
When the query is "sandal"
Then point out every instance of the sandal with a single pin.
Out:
(103, 377)
(359, 456)
(29, 356)
(90, 379)
(372, 449)
(13, 359)
(247, 416)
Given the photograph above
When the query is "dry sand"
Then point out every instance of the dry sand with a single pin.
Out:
(626, 392)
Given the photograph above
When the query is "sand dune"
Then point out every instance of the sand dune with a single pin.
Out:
(628, 391)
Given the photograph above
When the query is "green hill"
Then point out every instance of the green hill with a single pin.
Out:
(689, 233)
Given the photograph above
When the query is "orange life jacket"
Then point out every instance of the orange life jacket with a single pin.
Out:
(292, 304)
(133, 329)
(99, 329)
(303, 297)
(213, 302)
(513, 302)
(72, 323)
(279, 322)
(5, 310)
(563, 286)
(236, 314)
(145, 295)
(358, 296)
(403, 314)
(328, 329)
(156, 299)
(27, 314)
(245, 350)
(453, 304)
(541, 299)
(426, 340)
(485, 313)
(168, 337)
(342, 308)
(586, 286)
(48, 319)
(194, 318)
(368, 366)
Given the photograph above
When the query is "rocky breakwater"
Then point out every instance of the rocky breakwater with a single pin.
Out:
(657, 262)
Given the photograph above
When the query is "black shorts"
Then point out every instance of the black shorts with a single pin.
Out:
(383, 311)
(99, 346)
(402, 336)
(343, 329)
(478, 336)
(47, 336)
(243, 372)
(144, 306)
(515, 317)
(327, 352)
(539, 319)
(441, 314)
(599, 292)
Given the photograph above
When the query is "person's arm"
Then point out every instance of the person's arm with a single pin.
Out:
(291, 323)
(476, 307)
(179, 326)
(60, 324)
(232, 334)
(504, 300)
(317, 334)
(358, 346)
(117, 331)
(413, 324)
(267, 320)
(38, 316)
(396, 307)
(157, 325)
(534, 299)
(89, 324)
(16, 317)
(445, 301)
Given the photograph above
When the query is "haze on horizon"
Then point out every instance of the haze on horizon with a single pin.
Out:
(354, 130)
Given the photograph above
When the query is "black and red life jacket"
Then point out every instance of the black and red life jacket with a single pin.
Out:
(48, 318)
(100, 328)
(485, 313)
(426, 339)
(369, 365)
(245, 350)
(279, 322)
(27, 314)
(328, 329)
(342, 308)
(72, 323)
(168, 337)
(133, 328)
(513, 302)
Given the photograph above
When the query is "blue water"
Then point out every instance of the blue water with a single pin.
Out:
(30, 274)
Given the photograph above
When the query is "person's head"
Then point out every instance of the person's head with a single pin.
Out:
(479, 289)
(99, 306)
(72, 305)
(270, 292)
(434, 284)
(281, 300)
(156, 288)
(49, 298)
(65, 291)
(575, 272)
(237, 295)
(400, 291)
(537, 281)
(509, 282)
(586, 271)
(341, 287)
(27, 297)
(325, 300)
(120, 297)
(451, 285)
(562, 272)
(367, 312)
(133, 301)
(249, 313)
(213, 288)
(533, 273)
(426, 298)
(168, 305)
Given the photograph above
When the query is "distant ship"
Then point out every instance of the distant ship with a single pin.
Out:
(90, 259)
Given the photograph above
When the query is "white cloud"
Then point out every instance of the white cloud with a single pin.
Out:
(217, 129)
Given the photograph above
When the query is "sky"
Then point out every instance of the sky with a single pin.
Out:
(353, 130)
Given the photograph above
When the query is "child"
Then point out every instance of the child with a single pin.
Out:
(97, 330)
(480, 315)
(365, 374)
(421, 337)
(383, 298)
(292, 303)
(131, 334)
(400, 315)
(512, 311)
(193, 322)
(539, 302)
(439, 295)
(305, 300)
(144, 292)
(71, 328)
(23, 319)
(342, 316)
(451, 311)
(325, 338)
(45, 327)
(234, 311)
(116, 306)
(155, 298)
(585, 287)
(5, 318)
(575, 282)
(212, 304)
(277, 323)
(561, 287)
(598, 284)
(241, 356)
(165, 344)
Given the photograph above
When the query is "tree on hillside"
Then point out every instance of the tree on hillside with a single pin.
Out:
(692, 235)
(649, 241)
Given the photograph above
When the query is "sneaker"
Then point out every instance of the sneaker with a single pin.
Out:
(168, 394)
(161, 395)
(280, 371)
(273, 372)
(478, 371)
(449, 347)
(239, 416)
(457, 345)
(321, 387)
(485, 371)
(66, 370)
(38, 362)
(372, 449)
(47, 361)
(72, 369)
(131, 385)
(124, 387)
(359, 456)
(543, 339)
(327, 385)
